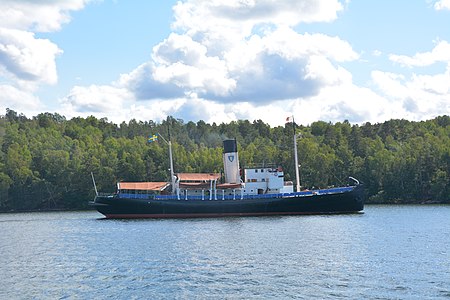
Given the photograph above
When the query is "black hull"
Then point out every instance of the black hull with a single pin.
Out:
(349, 201)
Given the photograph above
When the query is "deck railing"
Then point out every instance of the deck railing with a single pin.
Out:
(236, 197)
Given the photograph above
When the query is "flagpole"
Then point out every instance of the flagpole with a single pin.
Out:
(297, 175)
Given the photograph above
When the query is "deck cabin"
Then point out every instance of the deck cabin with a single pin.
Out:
(141, 189)
(266, 180)
(205, 186)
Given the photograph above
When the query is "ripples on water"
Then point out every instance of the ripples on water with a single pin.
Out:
(390, 252)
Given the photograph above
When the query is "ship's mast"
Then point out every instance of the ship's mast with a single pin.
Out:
(172, 175)
(297, 175)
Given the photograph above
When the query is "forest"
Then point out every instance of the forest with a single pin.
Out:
(46, 161)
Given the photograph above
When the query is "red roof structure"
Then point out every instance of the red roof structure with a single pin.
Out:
(196, 180)
(198, 177)
(143, 186)
(229, 186)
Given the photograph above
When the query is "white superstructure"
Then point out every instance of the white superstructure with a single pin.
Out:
(265, 180)
(257, 180)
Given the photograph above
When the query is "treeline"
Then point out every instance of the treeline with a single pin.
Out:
(46, 161)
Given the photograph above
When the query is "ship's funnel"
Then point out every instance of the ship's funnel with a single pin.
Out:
(231, 161)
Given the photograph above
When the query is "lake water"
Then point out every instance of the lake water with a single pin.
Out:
(389, 252)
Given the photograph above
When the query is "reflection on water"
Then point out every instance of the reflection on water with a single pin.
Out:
(388, 252)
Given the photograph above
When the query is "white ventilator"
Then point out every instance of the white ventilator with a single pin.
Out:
(231, 161)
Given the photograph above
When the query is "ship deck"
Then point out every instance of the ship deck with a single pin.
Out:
(238, 196)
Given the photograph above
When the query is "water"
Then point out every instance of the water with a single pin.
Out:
(390, 252)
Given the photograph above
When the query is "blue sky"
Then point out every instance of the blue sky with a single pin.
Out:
(108, 38)
(364, 61)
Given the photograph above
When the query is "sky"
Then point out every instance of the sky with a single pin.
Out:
(226, 60)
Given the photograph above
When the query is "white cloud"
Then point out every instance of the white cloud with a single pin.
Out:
(390, 84)
(290, 44)
(440, 53)
(422, 96)
(442, 4)
(418, 97)
(198, 15)
(22, 55)
(95, 99)
(437, 84)
(280, 65)
(37, 16)
(184, 62)
(343, 102)
(141, 83)
(27, 58)
(377, 53)
(333, 103)
(220, 24)
(116, 103)
(196, 109)
(17, 99)
(26, 62)
(241, 60)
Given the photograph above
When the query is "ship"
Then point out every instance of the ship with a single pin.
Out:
(253, 191)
